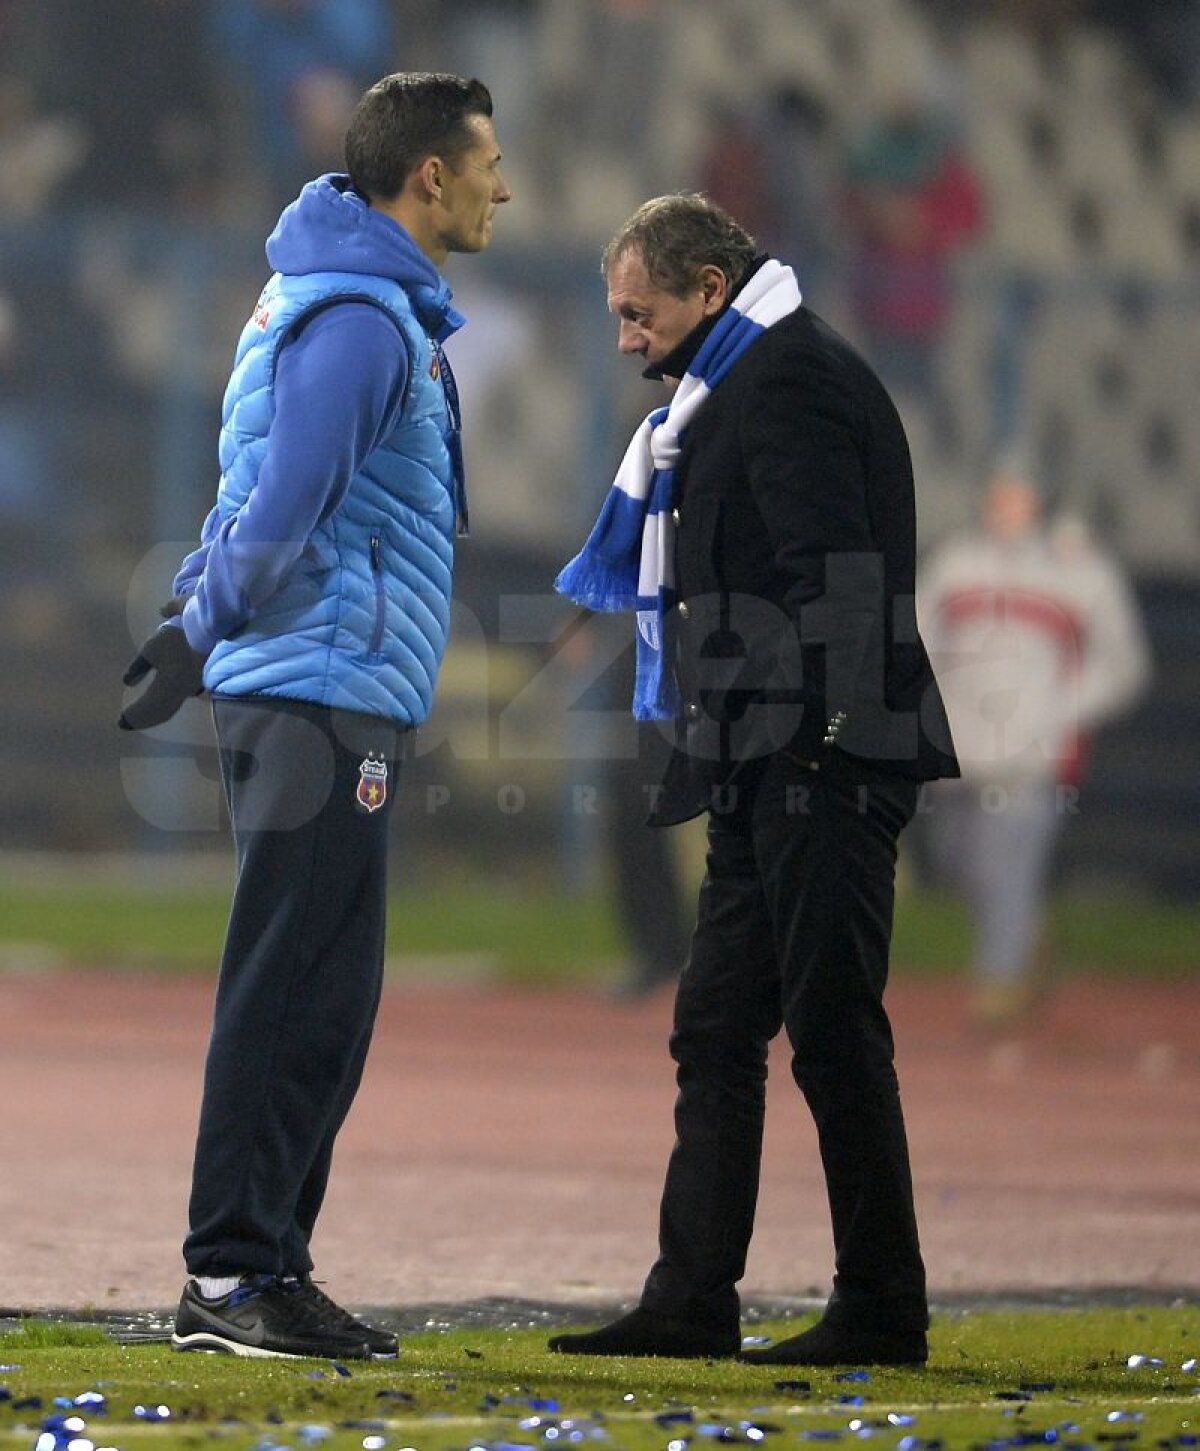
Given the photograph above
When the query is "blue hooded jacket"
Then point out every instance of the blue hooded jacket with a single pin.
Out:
(324, 570)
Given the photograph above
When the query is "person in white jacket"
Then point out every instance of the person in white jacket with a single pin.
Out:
(1036, 641)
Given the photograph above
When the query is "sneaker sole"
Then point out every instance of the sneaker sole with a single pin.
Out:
(213, 1344)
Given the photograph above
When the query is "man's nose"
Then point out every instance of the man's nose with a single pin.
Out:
(501, 192)
(629, 337)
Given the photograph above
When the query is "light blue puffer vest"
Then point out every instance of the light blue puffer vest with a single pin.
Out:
(360, 621)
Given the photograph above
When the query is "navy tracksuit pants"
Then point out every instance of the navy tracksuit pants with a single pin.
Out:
(309, 792)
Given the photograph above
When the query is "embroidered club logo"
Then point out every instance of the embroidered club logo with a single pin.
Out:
(372, 784)
(434, 366)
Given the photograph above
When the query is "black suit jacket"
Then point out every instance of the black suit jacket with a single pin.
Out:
(795, 561)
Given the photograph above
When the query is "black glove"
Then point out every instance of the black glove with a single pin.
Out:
(179, 675)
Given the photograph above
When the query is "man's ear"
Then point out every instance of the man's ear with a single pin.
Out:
(714, 286)
(430, 177)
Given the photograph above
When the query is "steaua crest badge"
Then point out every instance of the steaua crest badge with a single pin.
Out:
(372, 784)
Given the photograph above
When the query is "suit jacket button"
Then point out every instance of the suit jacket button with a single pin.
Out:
(684, 610)
(692, 710)
(675, 516)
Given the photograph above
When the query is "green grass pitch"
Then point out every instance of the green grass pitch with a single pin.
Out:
(1105, 1379)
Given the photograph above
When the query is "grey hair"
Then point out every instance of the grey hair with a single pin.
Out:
(677, 235)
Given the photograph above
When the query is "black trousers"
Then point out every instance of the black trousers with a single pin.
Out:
(300, 976)
(794, 929)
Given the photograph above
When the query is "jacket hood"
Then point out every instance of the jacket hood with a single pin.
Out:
(330, 228)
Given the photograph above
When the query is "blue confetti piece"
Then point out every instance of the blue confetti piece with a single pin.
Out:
(64, 1402)
(314, 1434)
(674, 1418)
(853, 1375)
(340, 1368)
(95, 1401)
(851, 1400)
(4, 1369)
(5, 1394)
(152, 1413)
(1113, 1416)
(1188, 1366)
(407, 1397)
(1036, 1386)
(542, 1403)
(897, 1418)
(1013, 1395)
(58, 1424)
(756, 1340)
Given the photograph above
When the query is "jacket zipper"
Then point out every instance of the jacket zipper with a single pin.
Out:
(380, 599)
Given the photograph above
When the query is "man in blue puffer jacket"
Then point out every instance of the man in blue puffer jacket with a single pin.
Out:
(315, 612)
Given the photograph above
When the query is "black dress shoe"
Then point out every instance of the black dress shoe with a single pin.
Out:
(832, 1344)
(646, 1332)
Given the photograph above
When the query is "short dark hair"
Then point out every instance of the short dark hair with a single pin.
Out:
(677, 235)
(403, 119)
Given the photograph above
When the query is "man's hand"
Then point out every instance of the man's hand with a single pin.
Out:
(179, 674)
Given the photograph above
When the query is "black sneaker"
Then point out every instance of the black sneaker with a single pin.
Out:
(382, 1344)
(263, 1316)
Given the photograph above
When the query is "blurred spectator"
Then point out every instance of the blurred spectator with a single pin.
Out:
(494, 38)
(735, 170)
(771, 167)
(603, 85)
(38, 153)
(1036, 642)
(33, 557)
(134, 76)
(799, 143)
(24, 474)
(1165, 34)
(303, 64)
(912, 202)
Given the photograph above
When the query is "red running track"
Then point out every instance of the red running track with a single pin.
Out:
(512, 1143)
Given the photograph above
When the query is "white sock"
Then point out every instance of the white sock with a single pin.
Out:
(212, 1287)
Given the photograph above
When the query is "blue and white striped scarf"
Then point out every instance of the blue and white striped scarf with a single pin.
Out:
(628, 562)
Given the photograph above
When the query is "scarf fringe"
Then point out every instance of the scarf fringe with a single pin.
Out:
(596, 586)
(655, 694)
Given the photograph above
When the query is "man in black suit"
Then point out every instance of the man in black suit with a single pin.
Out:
(808, 717)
